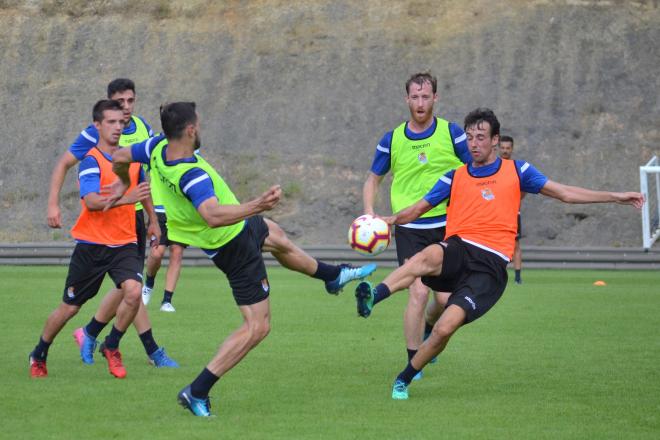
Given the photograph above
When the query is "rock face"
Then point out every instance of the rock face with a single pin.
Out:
(300, 95)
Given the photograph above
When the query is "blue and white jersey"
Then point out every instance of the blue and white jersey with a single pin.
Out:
(531, 180)
(89, 175)
(89, 138)
(382, 162)
(195, 183)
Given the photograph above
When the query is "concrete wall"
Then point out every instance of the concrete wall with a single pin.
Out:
(300, 95)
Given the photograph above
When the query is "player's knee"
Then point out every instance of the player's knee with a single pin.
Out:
(259, 330)
(132, 292)
(441, 333)
(157, 253)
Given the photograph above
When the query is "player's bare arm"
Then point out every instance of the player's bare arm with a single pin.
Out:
(369, 192)
(413, 212)
(216, 214)
(99, 202)
(121, 161)
(576, 194)
(54, 216)
(153, 230)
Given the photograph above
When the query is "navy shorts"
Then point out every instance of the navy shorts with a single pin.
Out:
(410, 241)
(476, 277)
(141, 231)
(164, 239)
(242, 262)
(89, 264)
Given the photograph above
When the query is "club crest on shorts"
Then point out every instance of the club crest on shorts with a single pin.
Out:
(70, 293)
(264, 285)
(422, 158)
(487, 194)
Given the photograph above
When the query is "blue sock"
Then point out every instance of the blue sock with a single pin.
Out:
(112, 340)
(167, 296)
(411, 353)
(201, 386)
(151, 280)
(148, 342)
(407, 374)
(518, 275)
(40, 352)
(326, 272)
(94, 328)
(381, 292)
(428, 328)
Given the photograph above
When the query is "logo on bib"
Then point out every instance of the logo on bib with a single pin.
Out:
(422, 158)
(487, 194)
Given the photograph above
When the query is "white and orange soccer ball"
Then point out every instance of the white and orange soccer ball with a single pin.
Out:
(369, 235)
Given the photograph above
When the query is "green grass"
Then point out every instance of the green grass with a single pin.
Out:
(556, 358)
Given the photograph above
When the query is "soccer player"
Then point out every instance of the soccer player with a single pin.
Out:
(417, 152)
(106, 243)
(135, 130)
(202, 211)
(484, 199)
(506, 152)
(155, 259)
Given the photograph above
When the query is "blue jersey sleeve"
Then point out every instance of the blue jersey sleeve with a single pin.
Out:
(531, 179)
(89, 176)
(459, 139)
(141, 152)
(440, 190)
(86, 140)
(382, 159)
(197, 185)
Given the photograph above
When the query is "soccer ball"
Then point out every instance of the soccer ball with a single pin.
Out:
(369, 235)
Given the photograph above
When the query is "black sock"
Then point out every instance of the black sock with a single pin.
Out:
(40, 352)
(411, 353)
(326, 272)
(112, 340)
(94, 328)
(428, 328)
(201, 386)
(407, 374)
(148, 342)
(151, 280)
(382, 292)
(167, 296)
(518, 274)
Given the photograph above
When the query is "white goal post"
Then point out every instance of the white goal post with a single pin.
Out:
(651, 208)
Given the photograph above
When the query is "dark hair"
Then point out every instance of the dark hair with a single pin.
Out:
(175, 117)
(420, 79)
(120, 85)
(506, 139)
(480, 115)
(103, 105)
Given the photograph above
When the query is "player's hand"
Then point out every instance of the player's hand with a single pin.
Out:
(112, 193)
(154, 233)
(630, 198)
(270, 198)
(390, 220)
(139, 193)
(54, 216)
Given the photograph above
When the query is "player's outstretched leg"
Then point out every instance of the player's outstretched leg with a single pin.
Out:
(294, 258)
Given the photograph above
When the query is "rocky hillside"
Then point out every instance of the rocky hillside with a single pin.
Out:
(300, 95)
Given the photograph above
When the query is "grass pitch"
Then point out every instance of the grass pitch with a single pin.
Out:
(556, 358)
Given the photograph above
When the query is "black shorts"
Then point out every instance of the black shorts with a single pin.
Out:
(89, 264)
(519, 232)
(410, 241)
(476, 277)
(242, 262)
(164, 239)
(141, 231)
